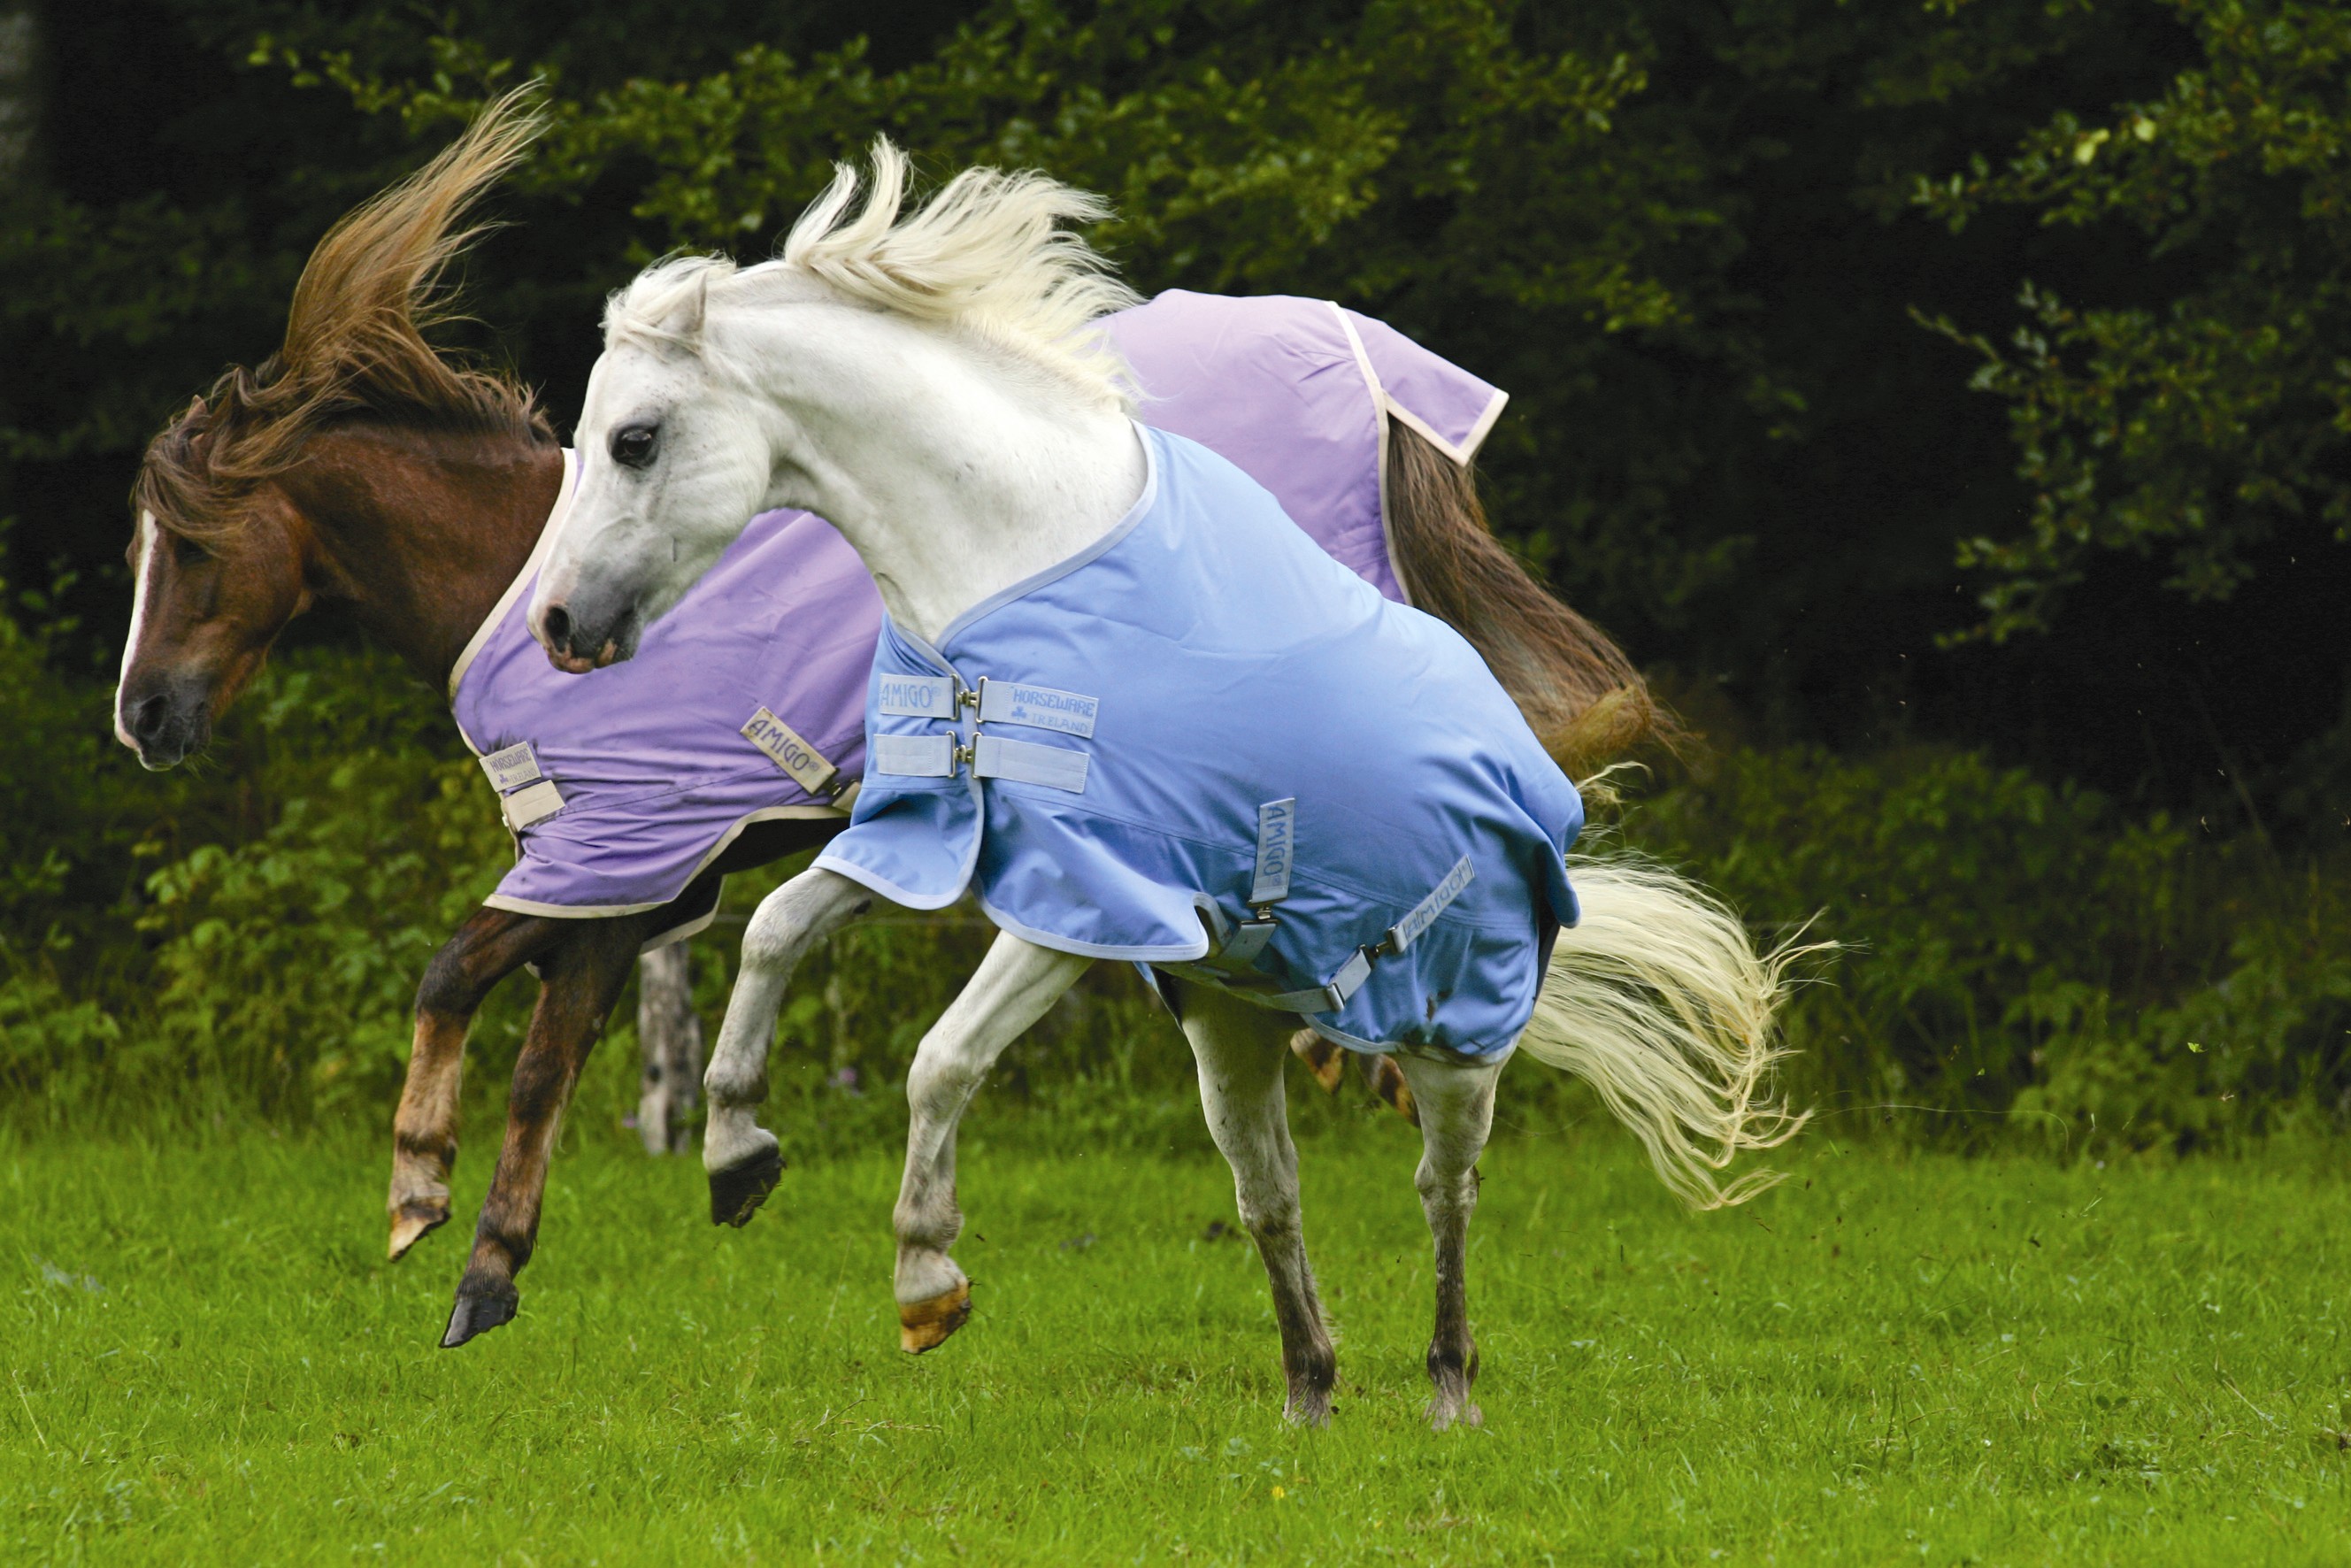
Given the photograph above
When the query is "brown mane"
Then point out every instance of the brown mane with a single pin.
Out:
(354, 344)
(1580, 693)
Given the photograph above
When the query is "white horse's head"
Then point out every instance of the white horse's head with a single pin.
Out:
(723, 392)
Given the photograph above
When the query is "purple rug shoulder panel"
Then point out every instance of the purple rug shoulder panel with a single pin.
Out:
(1272, 384)
(650, 756)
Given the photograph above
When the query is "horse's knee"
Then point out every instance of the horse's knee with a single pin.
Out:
(789, 919)
(1444, 1189)
(490, 945)
(939, 1083)
(774, 936)
(448, 989)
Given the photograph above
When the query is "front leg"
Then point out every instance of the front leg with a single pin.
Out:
(490, 945)
(582, 978)
(740, 1155)
(1015, 984)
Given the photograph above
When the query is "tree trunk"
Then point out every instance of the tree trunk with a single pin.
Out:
(670, 1033)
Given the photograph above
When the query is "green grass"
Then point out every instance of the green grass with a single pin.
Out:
(1892, 1359)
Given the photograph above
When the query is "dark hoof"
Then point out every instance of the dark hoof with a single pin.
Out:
(481, 1306)
(737, 1191)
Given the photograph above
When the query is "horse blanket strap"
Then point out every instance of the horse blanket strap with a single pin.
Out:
(990, 757)
(525, 795)
(1248, 940)
(1254, 759)
(791, 752)
(748, 700)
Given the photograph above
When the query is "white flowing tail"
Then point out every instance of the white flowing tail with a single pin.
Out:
(1658, 1001)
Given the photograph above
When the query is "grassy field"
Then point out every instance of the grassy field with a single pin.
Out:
(1892, 1359)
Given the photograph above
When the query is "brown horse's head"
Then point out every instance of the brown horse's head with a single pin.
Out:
(212, 594)
(222, 555)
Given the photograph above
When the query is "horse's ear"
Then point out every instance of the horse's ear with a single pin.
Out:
(684, 325)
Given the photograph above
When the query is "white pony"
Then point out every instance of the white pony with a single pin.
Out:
(929, 384)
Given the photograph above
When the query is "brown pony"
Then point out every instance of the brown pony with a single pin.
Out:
(361, 469)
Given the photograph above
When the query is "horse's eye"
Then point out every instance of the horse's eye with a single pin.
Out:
(187, 551)
(633, 445)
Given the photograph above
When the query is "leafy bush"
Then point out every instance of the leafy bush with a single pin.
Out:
(2023, 962)
(2021, 959)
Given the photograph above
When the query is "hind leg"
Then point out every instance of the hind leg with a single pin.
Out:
(1241, 1049)
(1456, 1111)
(584, 976)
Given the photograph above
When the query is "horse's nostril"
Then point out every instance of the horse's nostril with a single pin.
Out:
(558, 625)
(148, 716)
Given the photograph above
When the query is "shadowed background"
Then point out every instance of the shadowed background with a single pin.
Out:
(1939, 401)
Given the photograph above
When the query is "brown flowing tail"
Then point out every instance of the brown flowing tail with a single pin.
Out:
(1580, 693)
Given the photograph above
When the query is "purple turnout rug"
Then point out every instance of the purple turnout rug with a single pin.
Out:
(746, 703)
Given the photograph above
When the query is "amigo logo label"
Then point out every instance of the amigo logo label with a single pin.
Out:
(917, 696)
(786, 749)
(1040, 707)
(1276, 848)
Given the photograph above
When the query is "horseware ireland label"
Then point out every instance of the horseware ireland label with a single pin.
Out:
(512, 769)
(919, 696)
(1041, 707)
(786, 749)
(1277, 846)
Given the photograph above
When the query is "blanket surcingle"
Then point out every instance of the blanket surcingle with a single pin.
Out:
(747, 702)
(1203, 743)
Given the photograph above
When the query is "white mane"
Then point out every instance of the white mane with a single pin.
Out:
(987, 256)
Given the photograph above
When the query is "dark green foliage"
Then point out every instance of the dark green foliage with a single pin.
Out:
(2025, 962)
(2204, 423)
(1686, 237)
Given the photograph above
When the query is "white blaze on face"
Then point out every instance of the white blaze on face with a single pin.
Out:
(149, 537)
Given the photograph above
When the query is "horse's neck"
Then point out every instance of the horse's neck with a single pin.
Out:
(418, 534)
(950, 486)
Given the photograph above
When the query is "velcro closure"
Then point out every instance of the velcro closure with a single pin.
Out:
(532, 803)
(913, 756)
(1055, 767)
